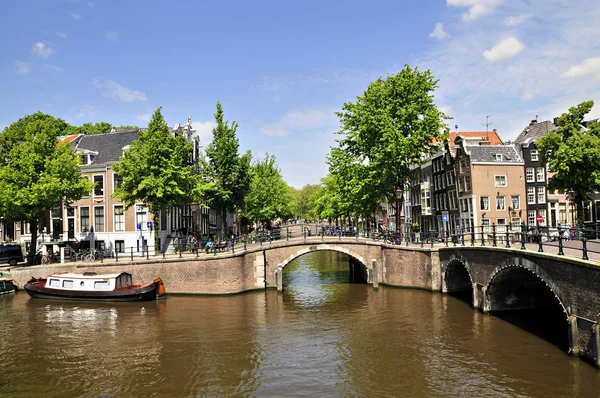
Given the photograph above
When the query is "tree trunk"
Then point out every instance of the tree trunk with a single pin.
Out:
(156, 245)
(224, 223)
(33, 230)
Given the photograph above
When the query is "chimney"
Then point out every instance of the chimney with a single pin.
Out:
(494, 130)
(555, 121)
(532, 122)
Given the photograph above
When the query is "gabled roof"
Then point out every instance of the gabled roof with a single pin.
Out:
(535, 131)
(109, 146)
(487, 153)
(488, 136)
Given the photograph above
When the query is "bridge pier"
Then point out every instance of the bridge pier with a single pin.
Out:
(375, 278)
(596, 337)
(573, 336)
(279, 278)
(485, 304)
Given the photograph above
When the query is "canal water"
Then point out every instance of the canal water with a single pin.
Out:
(321, 337)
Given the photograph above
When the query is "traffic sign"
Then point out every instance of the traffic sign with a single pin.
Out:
(539, 218)
(149, 224)
(139, 226)
(445, 218)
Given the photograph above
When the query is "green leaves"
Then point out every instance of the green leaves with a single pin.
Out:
(572, 153)
(392, 126)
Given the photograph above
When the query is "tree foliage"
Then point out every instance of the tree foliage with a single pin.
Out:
(304, 202)
(227, 171)
(269, 196)
(393, 125)
(156, 171)
(127, 127)
(36, 172)
(96, 128)
(572, 153)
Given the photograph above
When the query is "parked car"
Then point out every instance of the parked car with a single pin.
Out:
(11, 254)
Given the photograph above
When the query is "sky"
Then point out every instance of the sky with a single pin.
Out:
(282, 69)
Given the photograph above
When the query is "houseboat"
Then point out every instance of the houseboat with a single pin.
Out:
(7, 285)
(92, 286)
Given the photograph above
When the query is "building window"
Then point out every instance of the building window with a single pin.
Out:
(467, 183)
(120, 246)
(500, 203)
(99, 219)
(84, 219)
(531, 217)
(99, 185)
(562, 213)
(587, 211)
(529, 173)
(460, 185)
(541, 194)
(534, 155)
(501, 223)
(117, 181)
(485, 223)
(515, 223)
(485, 202)
(540, 174)
(542, 212)
(141, 216)
(530, 195)
(498, 157)
(500, 181)
(515, 202)
(119, 219)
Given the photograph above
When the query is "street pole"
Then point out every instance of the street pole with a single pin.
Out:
(399, 193)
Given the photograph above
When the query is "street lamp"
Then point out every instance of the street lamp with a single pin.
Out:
(398, 193)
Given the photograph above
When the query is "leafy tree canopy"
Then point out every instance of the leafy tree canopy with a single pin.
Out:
(96, 128)
(393, 125)
(127, 127)
(269, 196)
(227, 171)
(572, 153)
(36, 173)
(156, 170)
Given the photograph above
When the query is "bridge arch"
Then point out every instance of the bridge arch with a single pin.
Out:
(456, 276)
(521, 284)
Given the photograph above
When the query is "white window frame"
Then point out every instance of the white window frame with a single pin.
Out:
(498, 202)
(540, 174)
(541, 194)
(103, 218)
(115, 218)
(103, 185)
(531, 195)
(467, 183)
(89, 217)
(530, 174)
(501, 225)
(518, 206)
(531, 219)
(534, 155)
(498, 157)
(481, 207)
(498, 181)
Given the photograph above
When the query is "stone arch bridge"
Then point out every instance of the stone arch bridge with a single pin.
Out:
(497, 279)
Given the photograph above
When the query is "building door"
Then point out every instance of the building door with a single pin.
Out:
(71, 228)
(553, 217)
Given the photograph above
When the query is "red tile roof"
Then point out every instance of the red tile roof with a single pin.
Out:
(491, 136)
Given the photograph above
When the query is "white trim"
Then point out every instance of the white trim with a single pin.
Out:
(103, 215)
(103, 186)
(114, 229)
(79, 229)
(498, 163)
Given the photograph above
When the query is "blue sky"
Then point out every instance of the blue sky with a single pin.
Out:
(281, 69)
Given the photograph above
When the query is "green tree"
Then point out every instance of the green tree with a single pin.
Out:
(36, 172)
(126, 127)
(393, 125)
(305, 206)
(227, 171)
(572, 153)
(156, 171)
(96, 128)
(269, 196)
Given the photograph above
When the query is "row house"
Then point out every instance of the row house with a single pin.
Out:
(101, 221)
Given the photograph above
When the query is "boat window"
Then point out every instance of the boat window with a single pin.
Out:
(101, 285)
(128, 280)
(68, 284)
(54, 283)
(82, 283)
(118, 283)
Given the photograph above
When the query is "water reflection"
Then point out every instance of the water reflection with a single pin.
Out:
(322, 336)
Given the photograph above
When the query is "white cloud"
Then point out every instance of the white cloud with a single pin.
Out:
(113, 90)
(301, 121)
(144, 118)
(54, 68)
(85, 111)
(112, 35)
(22, 67)
(40, 48)
(76, 17)
(590, 66)
(507, 48)
(62, 35)
(204, 131)
(438, 32)
(516, 20)
(447, 109)
(477, 8)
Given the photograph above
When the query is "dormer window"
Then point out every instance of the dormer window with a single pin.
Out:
(87, 158)
(498, 157)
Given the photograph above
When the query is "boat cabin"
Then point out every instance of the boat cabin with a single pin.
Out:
(89, 281)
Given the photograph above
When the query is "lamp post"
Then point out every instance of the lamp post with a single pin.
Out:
(398, 193)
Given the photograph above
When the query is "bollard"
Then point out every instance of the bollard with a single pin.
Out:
(356, 233)
(164, 252)
(560, 243)
(422, 241)
(215, 248)
(522, 237)
(322, 235)
(340, 234)
(494, 235)
(147, 253)
(131, 253)
(482, 237)
(196, 248)
(101, 257)
(539, 235)
(180, 251)
(462, 237)
(431, 238)
(585, 250)
(117, 256)
(507, 240)
(233, 246)
(472, 237)
(245, 242)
